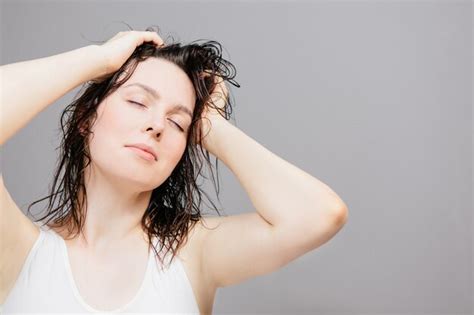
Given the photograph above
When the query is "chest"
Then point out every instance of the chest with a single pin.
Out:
(110, 280)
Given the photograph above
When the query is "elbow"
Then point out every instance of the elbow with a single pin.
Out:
(340, 214)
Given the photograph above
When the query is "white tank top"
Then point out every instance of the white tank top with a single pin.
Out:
(46, 285)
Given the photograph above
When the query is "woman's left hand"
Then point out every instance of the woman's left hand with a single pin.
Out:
(218, 97)
(210, 115)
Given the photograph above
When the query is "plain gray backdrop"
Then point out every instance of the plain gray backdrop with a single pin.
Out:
(374, 98)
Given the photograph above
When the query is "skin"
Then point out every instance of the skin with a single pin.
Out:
(295, 213)
(118, 181)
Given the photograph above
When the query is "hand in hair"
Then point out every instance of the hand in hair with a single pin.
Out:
(218, 99)
(211, 115)
(119, 48)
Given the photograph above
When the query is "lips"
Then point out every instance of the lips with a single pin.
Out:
(144, 147)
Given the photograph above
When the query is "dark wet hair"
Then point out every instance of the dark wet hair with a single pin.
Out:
(174, 206)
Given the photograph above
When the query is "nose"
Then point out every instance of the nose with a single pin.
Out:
(155, 124)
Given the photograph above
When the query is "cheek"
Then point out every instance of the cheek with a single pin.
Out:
(113, 119)
(174, 147)
(116, 117)
(108, 127)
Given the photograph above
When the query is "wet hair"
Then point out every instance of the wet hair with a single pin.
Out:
(175, 205)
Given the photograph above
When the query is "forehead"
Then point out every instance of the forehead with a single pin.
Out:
(165, 81)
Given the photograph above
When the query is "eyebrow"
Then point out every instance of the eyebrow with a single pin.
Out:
(155, 95)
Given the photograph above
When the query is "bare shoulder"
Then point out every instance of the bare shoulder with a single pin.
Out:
(191, 256)
(18, 234)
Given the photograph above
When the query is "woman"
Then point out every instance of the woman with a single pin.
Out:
(129, 159)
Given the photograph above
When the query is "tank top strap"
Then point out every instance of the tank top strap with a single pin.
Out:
(50, 235)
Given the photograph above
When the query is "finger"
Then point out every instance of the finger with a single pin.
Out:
(154, 37)
(206, 73)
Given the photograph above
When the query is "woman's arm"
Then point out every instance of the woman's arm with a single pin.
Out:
(28, 87)
(283, 194)
(296, 213)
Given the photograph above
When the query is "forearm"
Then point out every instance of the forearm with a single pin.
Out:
(281, 193)
(28, 87)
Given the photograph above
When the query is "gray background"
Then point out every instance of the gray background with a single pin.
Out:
(371, 97)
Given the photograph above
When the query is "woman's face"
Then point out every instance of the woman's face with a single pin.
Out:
(156, 123)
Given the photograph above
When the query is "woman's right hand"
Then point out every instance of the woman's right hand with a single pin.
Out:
(117, 49)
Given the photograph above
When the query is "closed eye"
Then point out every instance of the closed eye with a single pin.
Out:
(176, 124)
